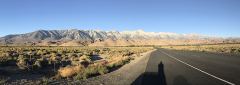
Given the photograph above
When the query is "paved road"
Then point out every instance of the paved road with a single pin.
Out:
(171, 67)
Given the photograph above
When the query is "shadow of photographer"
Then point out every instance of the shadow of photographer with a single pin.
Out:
(152, 78)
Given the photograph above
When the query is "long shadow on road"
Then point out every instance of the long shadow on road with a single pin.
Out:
(152, 78)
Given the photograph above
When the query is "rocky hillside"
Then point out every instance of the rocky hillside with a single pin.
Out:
(76, 37)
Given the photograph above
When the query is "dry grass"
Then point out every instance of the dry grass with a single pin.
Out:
(69, 71)
(221, 48)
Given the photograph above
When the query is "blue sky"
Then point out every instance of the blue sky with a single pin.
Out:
(210, 17)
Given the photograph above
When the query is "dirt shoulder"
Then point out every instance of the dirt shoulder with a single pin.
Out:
(123, 76)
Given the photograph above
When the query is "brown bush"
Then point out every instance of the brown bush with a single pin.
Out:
(69, 71)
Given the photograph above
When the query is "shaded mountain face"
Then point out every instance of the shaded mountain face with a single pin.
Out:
(112, 38)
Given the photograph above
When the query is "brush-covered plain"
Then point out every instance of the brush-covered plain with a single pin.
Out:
(42, 65)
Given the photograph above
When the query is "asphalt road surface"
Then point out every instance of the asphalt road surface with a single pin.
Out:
(171, 67)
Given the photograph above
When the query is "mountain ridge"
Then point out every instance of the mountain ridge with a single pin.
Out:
(75, 37)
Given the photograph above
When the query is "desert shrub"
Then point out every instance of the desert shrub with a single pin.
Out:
(104, 50)
(102, 69)
(119, 63)
(45, 81)
(22, 63)
(3, 80)
(55, 59)
(128, 53)
(80, 76)
(3, 59)
(42, 61)
(91, 71)
(233, 50)
(86, 73)
(38, 63)
(4, 55)
(75, 62)
(40, 52)
(30, 53)
(94, 52)
(85, 60)
(69, 71)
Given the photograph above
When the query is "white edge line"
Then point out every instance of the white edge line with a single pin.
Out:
(199, 69)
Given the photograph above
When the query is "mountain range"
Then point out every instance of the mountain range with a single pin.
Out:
(75, 37)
